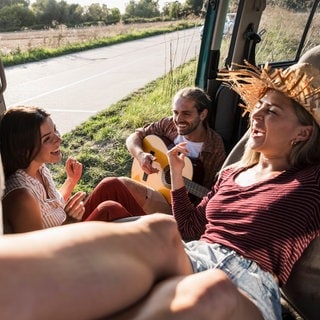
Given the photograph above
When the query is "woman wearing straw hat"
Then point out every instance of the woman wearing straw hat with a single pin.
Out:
(253, 226)
(262, 213)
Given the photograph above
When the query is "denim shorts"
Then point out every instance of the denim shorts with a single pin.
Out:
(260, 286)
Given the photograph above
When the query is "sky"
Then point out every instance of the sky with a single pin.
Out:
(120, 4)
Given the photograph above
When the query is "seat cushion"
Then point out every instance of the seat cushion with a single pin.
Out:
(302, 289)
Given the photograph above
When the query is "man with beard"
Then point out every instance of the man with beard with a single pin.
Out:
(188, 124)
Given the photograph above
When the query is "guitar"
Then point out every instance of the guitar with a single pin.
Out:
(160, 181)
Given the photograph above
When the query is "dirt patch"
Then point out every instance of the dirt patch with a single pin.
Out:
(61, 36)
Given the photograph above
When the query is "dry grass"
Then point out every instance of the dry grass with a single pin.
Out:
(62, 36)
(283, 34)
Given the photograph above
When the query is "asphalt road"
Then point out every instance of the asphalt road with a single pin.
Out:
(76, 86)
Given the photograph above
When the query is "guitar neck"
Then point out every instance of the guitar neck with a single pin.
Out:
(195, 188)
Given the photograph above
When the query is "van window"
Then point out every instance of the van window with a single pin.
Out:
(283, 31)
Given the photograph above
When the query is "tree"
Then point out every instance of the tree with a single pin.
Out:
(143, 9)
(16, 17)
(46, 11)
(95, 12)
(114, 16)
(193, 7)
(174, 10)
(5, 3)
(75, 14)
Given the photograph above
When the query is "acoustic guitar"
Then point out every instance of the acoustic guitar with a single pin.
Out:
(160, 181)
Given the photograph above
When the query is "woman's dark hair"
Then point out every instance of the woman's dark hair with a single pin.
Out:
(20, 137)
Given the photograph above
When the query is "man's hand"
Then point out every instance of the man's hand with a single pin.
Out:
(146, 159)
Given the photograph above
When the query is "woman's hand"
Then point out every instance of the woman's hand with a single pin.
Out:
(176, 157)
(73, 169)
(75, 206)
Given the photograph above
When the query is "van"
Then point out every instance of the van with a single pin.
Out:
(277, 32)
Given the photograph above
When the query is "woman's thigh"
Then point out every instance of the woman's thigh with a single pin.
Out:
(207, 295)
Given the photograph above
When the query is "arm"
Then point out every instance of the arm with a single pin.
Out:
(191, 221)
(74, 171)
(22, 211)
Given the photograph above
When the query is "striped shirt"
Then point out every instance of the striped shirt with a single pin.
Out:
(271, 222)
(50, 200)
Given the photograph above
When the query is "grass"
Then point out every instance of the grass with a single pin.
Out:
(99, 143)
(35, 53)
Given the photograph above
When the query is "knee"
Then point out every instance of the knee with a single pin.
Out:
(109, 205)
(109, 182)
(213, 290)
(108, 211)
(163, 225)
(165, 231)
(205, 295)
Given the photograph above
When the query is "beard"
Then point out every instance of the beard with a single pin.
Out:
(188, 127)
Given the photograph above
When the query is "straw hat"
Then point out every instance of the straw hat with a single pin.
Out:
(301, 82)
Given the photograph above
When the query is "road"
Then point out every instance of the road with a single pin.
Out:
(76, 86)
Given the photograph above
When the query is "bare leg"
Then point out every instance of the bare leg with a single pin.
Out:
(149, 199)
(208, 295)
(87, 270)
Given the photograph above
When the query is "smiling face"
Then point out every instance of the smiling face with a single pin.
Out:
(275, 126)
(50, 143)
(186, 117)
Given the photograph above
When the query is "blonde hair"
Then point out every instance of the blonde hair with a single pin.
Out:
(302, 154)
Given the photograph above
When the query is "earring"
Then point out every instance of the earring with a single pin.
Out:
(293, 142)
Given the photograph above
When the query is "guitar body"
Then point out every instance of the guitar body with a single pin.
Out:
(158, 181)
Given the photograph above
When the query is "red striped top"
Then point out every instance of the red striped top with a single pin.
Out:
(270, 222)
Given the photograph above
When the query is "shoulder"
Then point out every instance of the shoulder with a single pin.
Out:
(19, 202)
(16, 180)
(163, 122)
(229, 172)
(212, 134)
(152, 127)
(20, 195)
(214, 143)
(21, 211)
(310, 174)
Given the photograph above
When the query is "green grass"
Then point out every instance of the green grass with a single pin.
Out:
(37, 54)
(99, 143)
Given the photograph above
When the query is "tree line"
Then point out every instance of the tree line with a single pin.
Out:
(20, 14)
